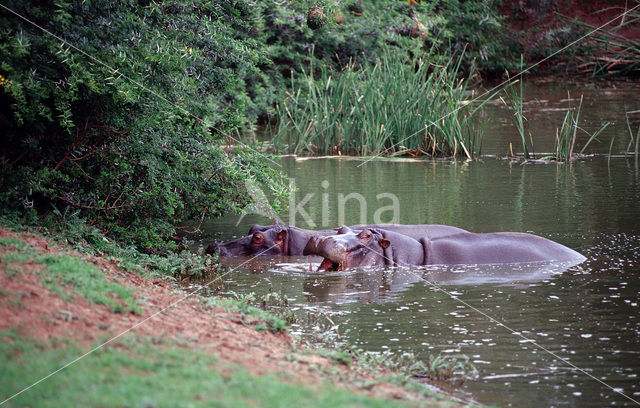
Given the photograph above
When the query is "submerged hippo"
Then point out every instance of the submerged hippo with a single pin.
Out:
(288, 240)
(376, 247)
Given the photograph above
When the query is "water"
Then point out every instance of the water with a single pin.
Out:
(588, 314)
(545, 104)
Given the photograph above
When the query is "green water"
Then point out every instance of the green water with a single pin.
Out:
(588, 314)
(545, 104)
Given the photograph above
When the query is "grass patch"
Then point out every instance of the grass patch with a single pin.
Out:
(395, 106)
(67, 228)
(87, 281)
(14, 244)
(263, 321)
(146, 375)
(63, 272)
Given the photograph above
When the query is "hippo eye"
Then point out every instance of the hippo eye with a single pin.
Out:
(258, 238)
(366, 234)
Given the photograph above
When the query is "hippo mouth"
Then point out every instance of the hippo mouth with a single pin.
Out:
(335, 262)
(328, 265)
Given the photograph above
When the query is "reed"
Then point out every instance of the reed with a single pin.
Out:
(514, 102)
(395, 106)
(566, 135)
(634, 142)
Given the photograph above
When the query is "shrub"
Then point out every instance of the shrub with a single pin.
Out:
(125, 127)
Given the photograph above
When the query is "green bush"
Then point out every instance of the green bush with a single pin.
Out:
(126, 129)
(476, 31)
(123, 119)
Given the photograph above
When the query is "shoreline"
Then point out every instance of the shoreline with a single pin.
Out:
(242, 342)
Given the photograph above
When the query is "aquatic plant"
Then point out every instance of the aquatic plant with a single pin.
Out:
(397, 105)
(566, 136)
(447, 367)
(515, 103)
(565, 143)
(634, 142)
(453, 368)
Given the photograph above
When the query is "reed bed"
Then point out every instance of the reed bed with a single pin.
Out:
(565, 148)
(515, 103)
(565, 144)
(395, 106)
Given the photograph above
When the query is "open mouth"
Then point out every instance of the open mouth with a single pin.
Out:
(329, 266)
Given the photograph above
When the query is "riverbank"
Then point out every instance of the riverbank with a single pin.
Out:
(57, 304)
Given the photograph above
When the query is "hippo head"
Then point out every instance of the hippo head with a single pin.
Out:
(262, 228)
(272, 241)
(348, 249)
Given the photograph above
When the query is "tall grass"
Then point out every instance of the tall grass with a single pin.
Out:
(634, 142)
(566, 135)
(515, 103)
(565, 143)
(395, 106)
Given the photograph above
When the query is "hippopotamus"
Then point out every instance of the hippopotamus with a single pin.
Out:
(288, 240)
(377, 247)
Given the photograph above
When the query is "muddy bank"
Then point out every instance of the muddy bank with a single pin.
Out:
(31, 310)
(542, 27)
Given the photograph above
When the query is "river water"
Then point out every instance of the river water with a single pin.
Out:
(540, 334)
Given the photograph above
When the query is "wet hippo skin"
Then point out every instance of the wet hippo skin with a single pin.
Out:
(375, 247)
(288, 240)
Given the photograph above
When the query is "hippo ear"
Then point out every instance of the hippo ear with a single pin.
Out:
(281, 240)
(275, 222)
(384, 243)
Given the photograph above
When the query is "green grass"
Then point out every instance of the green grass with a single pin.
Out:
(634, 141)
(515, 103)
(69, 230)
(565, 143)
(565, 148)
(64, 274)
(87, 281)
(262, 321)
(140, 374)
(395, 106)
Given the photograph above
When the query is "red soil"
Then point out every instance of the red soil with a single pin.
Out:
(535, 19)
(524, 15)
(42, 314)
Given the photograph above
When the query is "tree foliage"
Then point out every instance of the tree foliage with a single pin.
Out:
(121, 118)
(117, 109)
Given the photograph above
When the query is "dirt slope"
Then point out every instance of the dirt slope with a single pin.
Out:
(42, 314)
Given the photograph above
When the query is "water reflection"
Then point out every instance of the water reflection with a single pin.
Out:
(378, 285)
